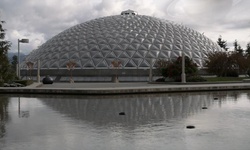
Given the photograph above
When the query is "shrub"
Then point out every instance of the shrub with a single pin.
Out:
(160, 80)
(196, 79)
(173, 69)
(24, 82)
(231, 73)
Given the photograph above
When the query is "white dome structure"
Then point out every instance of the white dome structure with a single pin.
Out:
(131, 39)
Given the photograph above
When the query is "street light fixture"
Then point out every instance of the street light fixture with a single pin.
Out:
(20, 41)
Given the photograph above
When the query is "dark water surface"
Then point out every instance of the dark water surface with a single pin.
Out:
(151, 122)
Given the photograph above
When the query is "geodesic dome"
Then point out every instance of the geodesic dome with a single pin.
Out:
(130, 38)
(135, 42)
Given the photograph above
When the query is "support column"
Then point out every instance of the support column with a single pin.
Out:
(150, 71)
(38, 71)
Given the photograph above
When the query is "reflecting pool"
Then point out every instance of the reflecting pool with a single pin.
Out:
(126, 122)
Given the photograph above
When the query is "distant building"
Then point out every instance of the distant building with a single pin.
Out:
(132, 40)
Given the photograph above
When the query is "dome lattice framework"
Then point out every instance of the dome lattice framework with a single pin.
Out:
(130, 38)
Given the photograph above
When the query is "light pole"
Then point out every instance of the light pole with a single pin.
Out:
(20, 41)
(183, 75)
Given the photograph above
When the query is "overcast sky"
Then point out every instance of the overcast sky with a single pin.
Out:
(40, 20)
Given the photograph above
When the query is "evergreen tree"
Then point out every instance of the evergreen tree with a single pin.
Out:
(222, 43)
(4, 47)
(248, 49)
(14, 62)
(237, 47)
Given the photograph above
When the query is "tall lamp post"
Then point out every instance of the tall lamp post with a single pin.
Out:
(183, 75)
(20, 41)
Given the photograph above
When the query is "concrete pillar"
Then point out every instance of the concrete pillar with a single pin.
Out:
(38, 71)
(150, 70)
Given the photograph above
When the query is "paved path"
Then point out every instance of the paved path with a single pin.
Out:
(122, 88)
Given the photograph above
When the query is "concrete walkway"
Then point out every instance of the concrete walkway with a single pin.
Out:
(122, 88)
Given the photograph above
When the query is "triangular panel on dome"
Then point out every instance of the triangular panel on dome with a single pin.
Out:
(94, 48)
(105, 53)
(197, 61)
(196, 48)
(92, 41)
(152, 35)
(159, 41)
(149, 40)
(45, 64)
(137, 55)
(137, 61)
(175, 54)
(56, 49)
(104, 47)
(162, 35)
(118, 52)
(167, 47)
(97, 61)
(124, 46)
(124, 55)
(144, 63)
(119, 40)
(130, 64)
(73, 48)
(111, 55)
(115, 46)
(83, 41)
(88, 64)
(152, 54)
(55, 56)
(136, 45)
(102, 64)
(147, 45)
(187, 47)
(178, 47)
(97, 54)
(75, 55)
(111, 41)
(159, 46)
(64, 56)
(154, 47)
(140, 39)
(63, 63)
(83, 61)
(132, 47)
(164, 54)
(144, 47)
(65, 49)
(197, 54)
(102, 41)
(189, 54)
(136, 41)
(130, 53)
(126, 41)
(54, 64)
(130, 39)
(83, 47)
(143, 53)
(84, 55)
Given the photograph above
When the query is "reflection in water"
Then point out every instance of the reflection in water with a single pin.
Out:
(3, 114)
(150, 122)
(138, 109)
